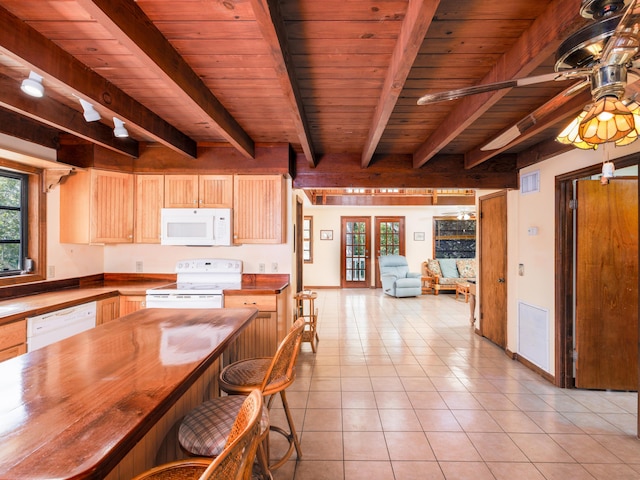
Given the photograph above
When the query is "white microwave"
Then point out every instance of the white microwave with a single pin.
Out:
(196, 226)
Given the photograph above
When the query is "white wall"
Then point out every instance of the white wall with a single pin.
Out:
(325, 269)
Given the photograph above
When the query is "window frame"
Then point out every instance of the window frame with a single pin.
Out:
(36, 226)
(23, 209)
(307, 236)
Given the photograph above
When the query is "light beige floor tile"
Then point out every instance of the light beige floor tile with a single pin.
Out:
(399, 420)
(515, 422)
(392, 400)
(540, 447)
(365, 446)
(496, 447)
(514, 471)
(476, 421)
(322, 445)
(324, 400)
(323, 419)
(411, 446)
(409, 470)
(356, 384)
(466, 470)
(563, 471)
(358, 399)
(452, 447)
(426, 400)
(461, 401)
(608, 471)
(360, 420)
(315, 470)
(367, 470)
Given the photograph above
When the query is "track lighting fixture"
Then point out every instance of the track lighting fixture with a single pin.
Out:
(33, 85)
(119, 130)
(90, 113)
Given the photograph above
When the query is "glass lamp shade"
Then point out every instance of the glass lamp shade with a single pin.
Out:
(632, 136)
(608, 120)
(571, 135)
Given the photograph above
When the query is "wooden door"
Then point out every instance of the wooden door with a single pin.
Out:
(355, 248)
(606, 321)
(389, 239)
(148, 204)
(298, 245)
(493, 268)
(215, 191)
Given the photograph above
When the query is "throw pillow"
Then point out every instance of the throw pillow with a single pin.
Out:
(434, 267)
(467, 267)
(448, 267)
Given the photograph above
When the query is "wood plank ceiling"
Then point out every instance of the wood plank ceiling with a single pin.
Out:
(336, 80)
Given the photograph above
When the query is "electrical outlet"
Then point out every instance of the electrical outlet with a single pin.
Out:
(51, 271)
(138, 266)
(261, 268)
(274, 267)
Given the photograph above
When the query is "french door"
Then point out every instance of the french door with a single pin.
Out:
(389, 238)
(355, 247)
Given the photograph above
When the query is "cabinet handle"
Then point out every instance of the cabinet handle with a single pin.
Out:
(250, 303)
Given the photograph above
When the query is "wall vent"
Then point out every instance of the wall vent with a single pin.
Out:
(533, 334)
(530, 182)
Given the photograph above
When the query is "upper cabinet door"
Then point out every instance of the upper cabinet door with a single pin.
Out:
(111, 207)
(215, 191)
(149, 202)
(181, 191)
(259, 209)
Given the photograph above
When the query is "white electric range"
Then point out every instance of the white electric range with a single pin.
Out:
(199, 284)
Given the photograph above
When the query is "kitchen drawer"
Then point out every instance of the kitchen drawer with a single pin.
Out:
(264, 303)
(14, 351)
(13, 334)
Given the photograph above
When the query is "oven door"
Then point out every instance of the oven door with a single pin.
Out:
(181, 300)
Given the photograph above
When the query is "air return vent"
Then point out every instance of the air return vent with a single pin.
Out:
(530, 182)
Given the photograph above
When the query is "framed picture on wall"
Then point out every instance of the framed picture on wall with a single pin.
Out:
(326, 234)
(418, 236)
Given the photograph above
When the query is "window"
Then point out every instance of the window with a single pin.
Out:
(307, 240)
(22, 223)
(453, 238)
(13, 222)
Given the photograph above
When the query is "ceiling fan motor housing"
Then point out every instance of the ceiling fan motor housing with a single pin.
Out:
(609, 80)
(600, 8)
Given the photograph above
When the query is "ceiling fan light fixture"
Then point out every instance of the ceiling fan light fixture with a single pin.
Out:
(33, 85)
(571, 135)
(608, 120)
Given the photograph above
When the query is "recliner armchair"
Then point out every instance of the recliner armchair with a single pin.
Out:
(396, 278)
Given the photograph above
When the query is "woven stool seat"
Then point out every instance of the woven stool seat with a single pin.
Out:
(243, 376)
(205, 429)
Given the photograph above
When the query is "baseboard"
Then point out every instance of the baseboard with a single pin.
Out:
(544, 374)
(322, 287)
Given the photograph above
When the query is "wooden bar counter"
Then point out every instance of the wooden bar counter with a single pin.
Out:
(106, 403)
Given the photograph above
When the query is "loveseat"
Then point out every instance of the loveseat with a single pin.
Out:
(445, 273)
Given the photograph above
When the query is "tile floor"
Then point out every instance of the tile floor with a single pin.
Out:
(401, 389)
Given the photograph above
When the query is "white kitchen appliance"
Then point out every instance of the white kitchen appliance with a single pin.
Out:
(199, 284)
(48, 328)
(195, 226)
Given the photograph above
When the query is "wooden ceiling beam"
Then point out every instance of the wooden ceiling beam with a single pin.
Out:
(271, 25)
(559, 109)
(396, 171)
(414, 28)
(28, 47)
(19, 126)
(133, 29)
(54, 114)
(536, 44)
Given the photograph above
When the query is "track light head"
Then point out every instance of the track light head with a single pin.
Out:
(90, 113)
(33, 85)
(119, 130)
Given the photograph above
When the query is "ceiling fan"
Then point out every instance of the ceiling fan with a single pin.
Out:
(604, 54)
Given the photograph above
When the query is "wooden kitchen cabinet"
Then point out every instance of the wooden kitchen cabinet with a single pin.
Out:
(131, 303)
(263, 335)
(149, 200)
(107, 309)
(198, 191)
(259, 209)
(96, 206)
(13, 339)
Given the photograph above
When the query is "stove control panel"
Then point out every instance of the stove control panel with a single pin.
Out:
(209, 265)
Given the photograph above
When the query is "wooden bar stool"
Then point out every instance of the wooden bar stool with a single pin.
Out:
(272, 376)
(310, 316)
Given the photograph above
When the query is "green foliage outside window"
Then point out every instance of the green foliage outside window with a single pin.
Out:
(12, 221)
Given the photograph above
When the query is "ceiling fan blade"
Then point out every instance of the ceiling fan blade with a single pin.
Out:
(491, 87)
(534, 117)
(623, 45)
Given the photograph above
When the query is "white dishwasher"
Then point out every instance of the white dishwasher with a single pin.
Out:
(48, 328)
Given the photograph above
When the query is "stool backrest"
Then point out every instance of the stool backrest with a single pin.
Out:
(281, 372)
(236, 460)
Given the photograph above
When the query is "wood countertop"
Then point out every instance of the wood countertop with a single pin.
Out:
(75, 408)
(31, 305)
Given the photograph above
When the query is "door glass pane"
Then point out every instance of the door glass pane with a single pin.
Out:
(355, 251)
